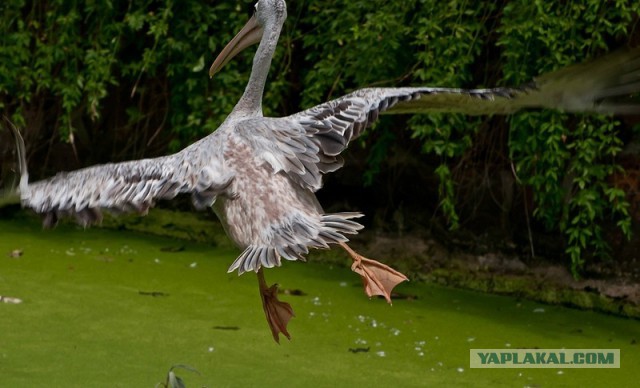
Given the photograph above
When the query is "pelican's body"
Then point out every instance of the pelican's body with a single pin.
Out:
(260, 174)
(266, 213)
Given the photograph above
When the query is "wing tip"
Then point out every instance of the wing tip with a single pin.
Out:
(22, 157)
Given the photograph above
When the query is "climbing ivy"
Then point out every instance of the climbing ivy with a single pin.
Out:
(565, 158)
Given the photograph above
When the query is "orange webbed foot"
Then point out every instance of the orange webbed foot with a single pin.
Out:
(278, 313)
(378, 278)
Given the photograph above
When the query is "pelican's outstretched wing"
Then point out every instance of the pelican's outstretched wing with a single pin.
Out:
(308, 144)
(121, 187)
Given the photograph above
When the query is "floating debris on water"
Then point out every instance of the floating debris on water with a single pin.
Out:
(211, 349)
(471, 339)
(372, 322)
(359, 350)
(460, 369)
(125, 250)
(173, 249)
(560, 372)
(230, 328)
(70, 252)
(294, 292)
(343, 284)
(360, 341)
(15, 253)
(538, 310)
(193, 265)
(381, 353)
(10, 300)
(418, 348)
(507, 345)
(156, 260)
(155, 294)
(395, 331)
(401, 296)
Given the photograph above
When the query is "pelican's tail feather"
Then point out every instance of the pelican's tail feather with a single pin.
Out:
(292, 241)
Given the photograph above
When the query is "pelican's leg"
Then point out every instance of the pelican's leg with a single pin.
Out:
(378, 279)
(278, 313)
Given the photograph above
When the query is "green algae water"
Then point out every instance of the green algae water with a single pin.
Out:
(105, 308)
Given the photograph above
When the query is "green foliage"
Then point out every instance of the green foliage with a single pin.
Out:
(113, 75)
(449, 30)
(356, 43)
(61, 59)
(566, 159)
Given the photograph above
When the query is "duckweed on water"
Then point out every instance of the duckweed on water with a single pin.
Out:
(111, 308)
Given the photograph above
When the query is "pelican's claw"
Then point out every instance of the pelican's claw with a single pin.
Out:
(378, 278)
(278, 313)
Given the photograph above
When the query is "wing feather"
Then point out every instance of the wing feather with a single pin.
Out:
(125, 187)
(610, 84)
(308, 144)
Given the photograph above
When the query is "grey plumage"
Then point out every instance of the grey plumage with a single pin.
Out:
(260, 174)
(127, 187)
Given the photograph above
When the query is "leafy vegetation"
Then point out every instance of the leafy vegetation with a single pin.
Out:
(112, 80)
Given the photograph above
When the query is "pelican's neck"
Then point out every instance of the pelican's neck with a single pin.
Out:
(250, 104)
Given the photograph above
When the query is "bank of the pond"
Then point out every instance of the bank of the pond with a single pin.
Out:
(426, 259)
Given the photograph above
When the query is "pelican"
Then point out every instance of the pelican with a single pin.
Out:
(259, 174)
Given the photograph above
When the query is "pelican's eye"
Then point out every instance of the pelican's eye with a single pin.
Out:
(252, 10)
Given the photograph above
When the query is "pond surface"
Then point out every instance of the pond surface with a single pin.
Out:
(105, 308)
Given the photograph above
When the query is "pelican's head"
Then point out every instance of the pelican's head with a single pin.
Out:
(269, 16)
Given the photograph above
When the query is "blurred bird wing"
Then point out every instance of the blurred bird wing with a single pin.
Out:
(308, 144)
(125, 187)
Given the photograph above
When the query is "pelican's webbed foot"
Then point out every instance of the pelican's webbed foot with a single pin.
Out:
(278, 313)
(378, 278)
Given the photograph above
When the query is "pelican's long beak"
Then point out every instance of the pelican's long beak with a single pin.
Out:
(250, 34)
